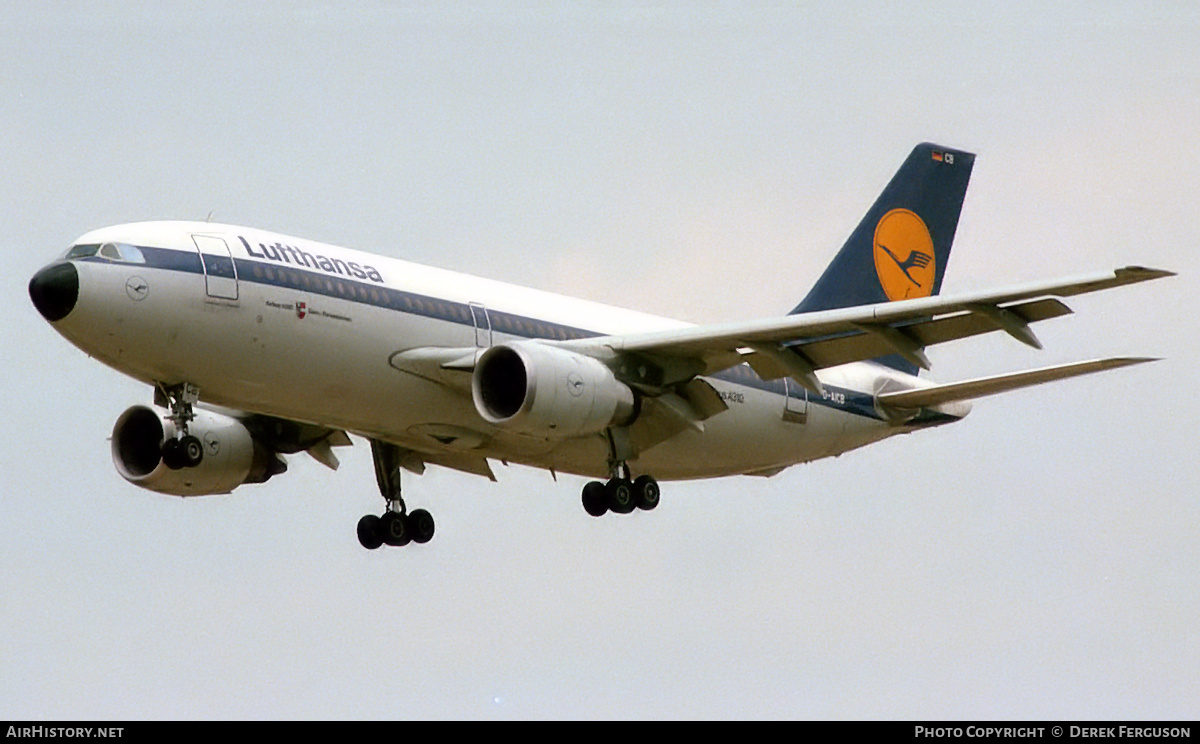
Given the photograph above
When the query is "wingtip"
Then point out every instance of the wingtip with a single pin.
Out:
(1118, 362)
(1142, 273)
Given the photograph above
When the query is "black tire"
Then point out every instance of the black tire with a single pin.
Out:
(620, 496)
(420, 526)
(368, 532)
(191, 451)
(393, 528)
(646, 492)
(172, 454)
(595, 500)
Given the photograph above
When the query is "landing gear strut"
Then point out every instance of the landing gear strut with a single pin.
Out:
(183, 450)
(396, 526)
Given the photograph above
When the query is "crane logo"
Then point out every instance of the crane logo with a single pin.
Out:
(904, 258)
(137, 288)
(575, 384)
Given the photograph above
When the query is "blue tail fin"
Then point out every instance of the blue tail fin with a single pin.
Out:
(900, 249)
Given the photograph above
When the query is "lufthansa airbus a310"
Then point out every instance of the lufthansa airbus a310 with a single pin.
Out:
(440, 368)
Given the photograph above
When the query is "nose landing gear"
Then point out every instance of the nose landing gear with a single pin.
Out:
(185, 450)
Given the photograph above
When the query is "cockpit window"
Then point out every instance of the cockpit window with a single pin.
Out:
(122, 252)
(82, 251)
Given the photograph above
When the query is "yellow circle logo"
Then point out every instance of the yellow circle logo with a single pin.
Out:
(904, 257)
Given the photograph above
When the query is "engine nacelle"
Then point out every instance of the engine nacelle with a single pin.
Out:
(546, 391)
(231, 456)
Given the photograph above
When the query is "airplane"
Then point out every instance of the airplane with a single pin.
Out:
(259, 345)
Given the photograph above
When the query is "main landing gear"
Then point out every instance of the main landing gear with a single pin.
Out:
(397, 526)
(620, 495)
(182, 450)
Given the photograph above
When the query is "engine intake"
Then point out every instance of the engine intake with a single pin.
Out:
(546, 391)
(232, 456)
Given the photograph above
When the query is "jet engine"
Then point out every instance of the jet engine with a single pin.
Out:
(545, 391)
(231, 455)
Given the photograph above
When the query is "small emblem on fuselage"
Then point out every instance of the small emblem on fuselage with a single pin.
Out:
(301, 310)
(137, 288)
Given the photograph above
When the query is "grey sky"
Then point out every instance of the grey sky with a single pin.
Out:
(1037, 560)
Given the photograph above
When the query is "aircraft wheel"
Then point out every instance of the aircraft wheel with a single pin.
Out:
(620, 495)
(645, 492)
(191, 451)
(172, 454)
(394, 529)
(368, 532)
(595, 501)
(420, 526)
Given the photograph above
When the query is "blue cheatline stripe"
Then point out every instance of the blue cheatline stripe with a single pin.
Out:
(387, 298)
(367, 293)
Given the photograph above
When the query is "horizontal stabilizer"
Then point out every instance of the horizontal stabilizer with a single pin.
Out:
(978, 388)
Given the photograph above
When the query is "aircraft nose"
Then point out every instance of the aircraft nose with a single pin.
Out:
(54, 290)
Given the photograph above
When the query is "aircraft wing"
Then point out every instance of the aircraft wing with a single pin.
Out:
(935, 395)
(798, 345)
(289, 437)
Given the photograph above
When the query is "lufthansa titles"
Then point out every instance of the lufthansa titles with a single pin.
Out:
(290, 254)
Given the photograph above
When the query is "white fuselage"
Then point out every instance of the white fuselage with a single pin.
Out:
(307, 331)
